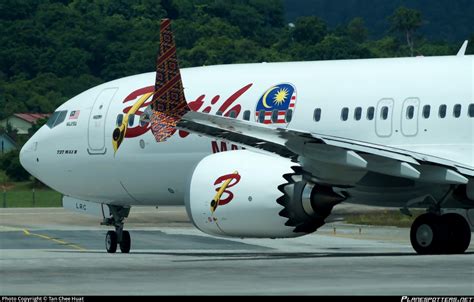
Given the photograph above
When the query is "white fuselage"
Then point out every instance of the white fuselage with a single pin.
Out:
(76, 157)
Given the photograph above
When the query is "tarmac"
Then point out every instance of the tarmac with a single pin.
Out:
(56, 252)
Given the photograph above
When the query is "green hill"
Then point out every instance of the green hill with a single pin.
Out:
(445, 20)
(52, 50)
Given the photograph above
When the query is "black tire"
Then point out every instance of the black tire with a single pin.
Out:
(456, 233)
(111, 242)
(126, 242)
(425, 234)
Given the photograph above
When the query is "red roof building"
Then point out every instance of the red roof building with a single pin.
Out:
(31, 117)
(23, 121)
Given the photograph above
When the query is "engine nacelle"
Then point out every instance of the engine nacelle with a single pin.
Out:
(247, 194)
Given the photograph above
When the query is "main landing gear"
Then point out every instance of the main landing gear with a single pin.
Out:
(119, 236)
(438, 233)
(446, 234)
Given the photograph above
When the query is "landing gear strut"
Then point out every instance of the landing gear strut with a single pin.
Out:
(446, 234)
(119, 236)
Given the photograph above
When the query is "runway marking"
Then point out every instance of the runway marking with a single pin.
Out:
(370, 237)
(73, 213)
(75, 246)
(8, 229)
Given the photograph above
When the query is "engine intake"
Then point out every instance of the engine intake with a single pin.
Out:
(306, 205)
(247, 194)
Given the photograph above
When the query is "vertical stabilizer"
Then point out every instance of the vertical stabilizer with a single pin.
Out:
(169, 103)
(462, 50)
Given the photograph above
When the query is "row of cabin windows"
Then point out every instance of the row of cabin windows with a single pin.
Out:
(59, 116)
(410, 112)
(370, 114)
(442, 111)
(232, 114)
(261, 115)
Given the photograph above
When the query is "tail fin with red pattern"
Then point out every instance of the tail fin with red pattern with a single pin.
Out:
(169, 103)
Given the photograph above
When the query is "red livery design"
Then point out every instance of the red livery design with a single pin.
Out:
(227, 181)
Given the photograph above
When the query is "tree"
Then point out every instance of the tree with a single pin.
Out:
(470, 46)
(357, 31)
(15, 170)
(386, 47)
(53, 50)
(11, 132)
(10, 163)
(337, 48)
(35, 127)
(309, 30)
(406, 21)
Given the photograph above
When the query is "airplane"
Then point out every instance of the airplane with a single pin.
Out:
(266, 150)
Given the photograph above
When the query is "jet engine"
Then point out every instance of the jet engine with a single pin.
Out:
(248, 194)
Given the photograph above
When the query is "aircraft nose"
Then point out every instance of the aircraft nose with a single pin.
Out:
(28, 156)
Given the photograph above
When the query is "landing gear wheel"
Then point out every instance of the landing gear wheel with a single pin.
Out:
(425, 234)
(456, 233)
(126, 242)
(111, 242)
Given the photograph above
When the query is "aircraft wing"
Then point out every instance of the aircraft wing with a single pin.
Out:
(313, 148)
(318, 154)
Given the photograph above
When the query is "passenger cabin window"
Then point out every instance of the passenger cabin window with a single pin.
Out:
(142, 121)
(317, 114)
(457, 110)
(470, 110)
(426, 111)
(370, 113)
(56, 118)
(219, 113)
(275, 115)
(384, 113)
(119, 120)
(232, 114)
(131, 119)
(247, 115)
(442, 111)
(261, 116)
(288, 115)
(410, 112)
(358, 113)
(145, 117)
(344, 113)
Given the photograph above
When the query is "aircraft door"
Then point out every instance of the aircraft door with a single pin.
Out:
(383, 117)
(96, 128)
(410, 116)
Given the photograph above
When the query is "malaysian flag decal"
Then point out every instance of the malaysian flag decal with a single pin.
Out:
(273, 105)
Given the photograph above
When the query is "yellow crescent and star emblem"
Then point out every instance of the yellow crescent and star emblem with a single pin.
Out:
(279, 98)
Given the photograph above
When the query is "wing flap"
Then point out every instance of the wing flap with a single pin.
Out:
(329, 149)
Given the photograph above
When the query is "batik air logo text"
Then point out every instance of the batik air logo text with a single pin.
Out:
(224, 195)
(227, 107)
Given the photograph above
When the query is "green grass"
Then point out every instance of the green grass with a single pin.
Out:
(3, 176)
(26, 194)
(384, 217)
(24, 199)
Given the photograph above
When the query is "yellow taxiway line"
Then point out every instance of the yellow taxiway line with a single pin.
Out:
(75, 246)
